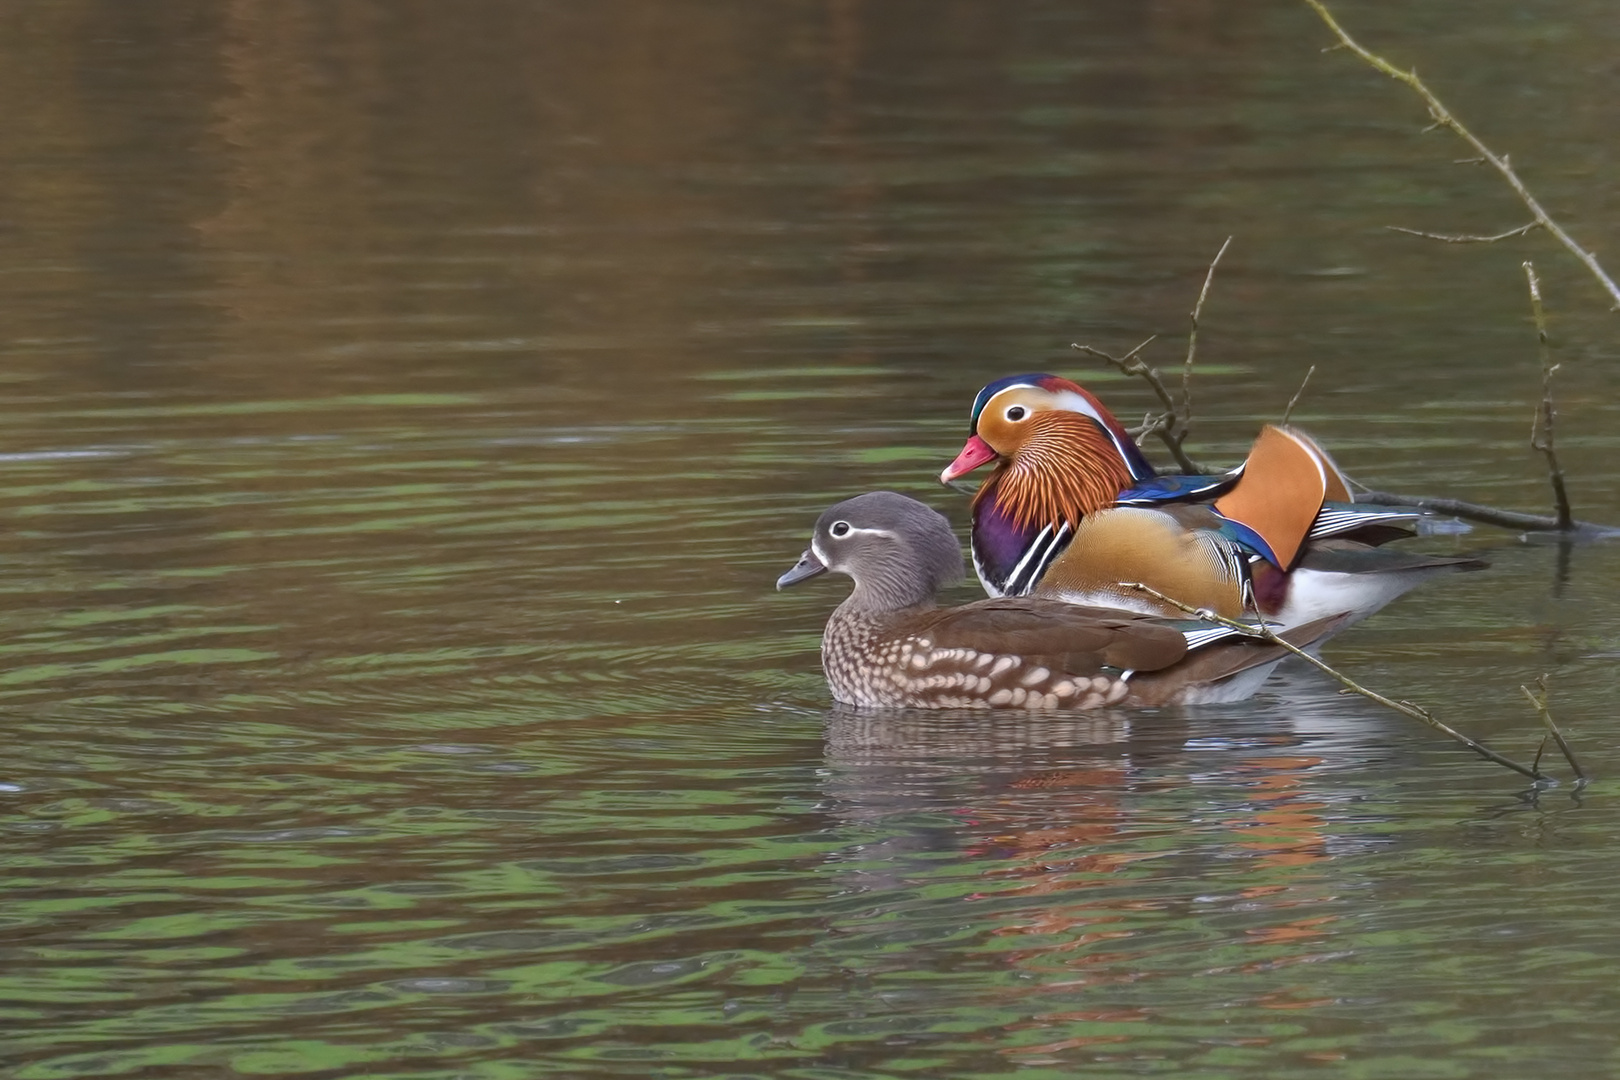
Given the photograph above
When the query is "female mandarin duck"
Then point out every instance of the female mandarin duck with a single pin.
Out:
(1073, 511)
(888, 645)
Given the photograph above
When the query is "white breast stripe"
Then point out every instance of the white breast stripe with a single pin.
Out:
(990, 587)
(1047, 546)
(1029, 553)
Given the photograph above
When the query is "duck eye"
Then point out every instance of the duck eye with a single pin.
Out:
(839, 528)
(1017, 412)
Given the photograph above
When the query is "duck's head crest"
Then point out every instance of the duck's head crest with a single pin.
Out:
(1013, 413)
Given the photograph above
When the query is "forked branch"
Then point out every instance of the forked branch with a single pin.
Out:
(1538, 701)
(1173, 424)
(1168, 425)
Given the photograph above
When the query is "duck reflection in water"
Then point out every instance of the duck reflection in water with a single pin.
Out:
(1107, 840)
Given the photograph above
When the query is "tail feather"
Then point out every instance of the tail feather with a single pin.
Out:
(1343, 556)
(1342, 575)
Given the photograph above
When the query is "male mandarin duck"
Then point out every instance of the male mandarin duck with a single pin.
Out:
(889, 645)
(1073, 511)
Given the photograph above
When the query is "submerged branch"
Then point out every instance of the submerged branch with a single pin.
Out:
(1443, 118)
(1405, 708)
(1488, 515)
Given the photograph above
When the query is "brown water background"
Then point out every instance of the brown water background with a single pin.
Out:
(408, 407)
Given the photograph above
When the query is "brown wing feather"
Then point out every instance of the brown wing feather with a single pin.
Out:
(1066, 637)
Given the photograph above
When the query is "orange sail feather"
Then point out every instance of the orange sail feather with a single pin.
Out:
(1285, 481)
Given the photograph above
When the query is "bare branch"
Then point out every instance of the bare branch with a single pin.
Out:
(1464, 238)
(1405, 708)
(1444, 118)
(1298, 394)
(1173, 425)
(1539, 701)
(1541, 428)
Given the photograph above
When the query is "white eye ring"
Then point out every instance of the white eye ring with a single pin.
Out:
(1016, 413)
(839, 528)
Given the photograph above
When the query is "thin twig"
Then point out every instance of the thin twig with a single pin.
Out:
(1539, 701)
(1192, 341)
(1464, 238)
(1405, 708)
(1306, 381)
(1541, 428)
(1443, 118)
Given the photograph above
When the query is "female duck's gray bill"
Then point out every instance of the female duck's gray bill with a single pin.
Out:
(808, 566)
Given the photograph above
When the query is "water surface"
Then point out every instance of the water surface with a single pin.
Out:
(408, 409)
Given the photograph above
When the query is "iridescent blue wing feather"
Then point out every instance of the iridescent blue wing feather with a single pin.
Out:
(1175, 487)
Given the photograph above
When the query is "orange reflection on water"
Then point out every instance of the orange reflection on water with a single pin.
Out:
(1289, 830)
(1087, 833)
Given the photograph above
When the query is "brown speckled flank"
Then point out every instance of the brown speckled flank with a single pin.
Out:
(868, 664)
(889, 646)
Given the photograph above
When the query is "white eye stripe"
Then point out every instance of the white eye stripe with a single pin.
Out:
(826, 560)
(1073, 402)
(853, 530)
